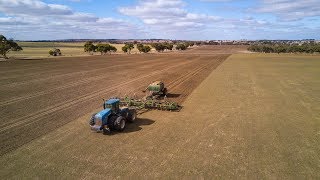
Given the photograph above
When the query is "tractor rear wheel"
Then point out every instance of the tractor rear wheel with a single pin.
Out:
(165, 91)
(120, 123)
(132, 115)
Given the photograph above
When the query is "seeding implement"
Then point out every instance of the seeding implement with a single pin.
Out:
(155, 90)
(150, 104)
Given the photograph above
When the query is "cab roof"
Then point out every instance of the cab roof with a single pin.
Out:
(112, 101)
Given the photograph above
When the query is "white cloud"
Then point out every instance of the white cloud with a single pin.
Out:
(35, 19)
(12, 21)
(163, 16)
(27, 19)
(32, 7)
(290, 9)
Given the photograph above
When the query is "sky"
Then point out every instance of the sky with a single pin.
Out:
(161, 19)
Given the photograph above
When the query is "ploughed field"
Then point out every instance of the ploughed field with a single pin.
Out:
(256, 116)
(39, 96)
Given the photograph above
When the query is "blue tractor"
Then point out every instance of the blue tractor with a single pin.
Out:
(112, 117)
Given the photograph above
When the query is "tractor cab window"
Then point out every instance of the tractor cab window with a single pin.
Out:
(114, 107)
(108, 106)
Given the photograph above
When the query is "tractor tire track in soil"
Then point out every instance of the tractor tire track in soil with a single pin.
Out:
(72, 84)
(58, 72)
(71, 102)
(53, 98)
(181, 76)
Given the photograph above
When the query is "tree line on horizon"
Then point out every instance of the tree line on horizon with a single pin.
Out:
(285, 48)
(159, 47)
(102, 48)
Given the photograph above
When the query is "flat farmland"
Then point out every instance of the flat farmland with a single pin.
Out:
(38, 96)
(250, 116)
(41, 49)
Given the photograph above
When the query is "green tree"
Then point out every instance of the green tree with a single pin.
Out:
(285, 48)
(127, 48)
(140, 47)
(113, 49)
(89, 47)
(130, 47)
(105, 48)
(159, 47)
(51, 53)
(102, 48)
(55, 52)
(146, 49)
(168, 46)
(143, 48)
(8, 45)
(280, 49)
(187, 44)
(181, 46)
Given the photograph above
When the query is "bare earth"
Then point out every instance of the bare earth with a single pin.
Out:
(38, 96)
(254, 116)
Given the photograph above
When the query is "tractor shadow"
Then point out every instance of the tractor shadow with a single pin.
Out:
(172, 95)
(135, 126)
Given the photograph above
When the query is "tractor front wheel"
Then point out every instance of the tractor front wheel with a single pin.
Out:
(91, 121)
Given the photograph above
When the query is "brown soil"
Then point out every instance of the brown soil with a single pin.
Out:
(39, 96)
(256, 116)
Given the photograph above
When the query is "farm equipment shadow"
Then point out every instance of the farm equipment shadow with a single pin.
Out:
(172, 95)
(135, 126)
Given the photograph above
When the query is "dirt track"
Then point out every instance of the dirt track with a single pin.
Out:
(38, 96)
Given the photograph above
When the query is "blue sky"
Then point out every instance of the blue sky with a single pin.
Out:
(166, 19)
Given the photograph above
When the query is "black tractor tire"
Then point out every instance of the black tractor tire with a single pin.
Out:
(91, 121)
(165, 91)
(120, 123)
(112, 122)
(125, 114)
(132, 115)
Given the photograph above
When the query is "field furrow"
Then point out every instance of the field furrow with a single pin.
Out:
(43, 103)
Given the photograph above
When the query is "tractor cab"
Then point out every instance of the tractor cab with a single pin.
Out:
(112, 117)
(112, 104)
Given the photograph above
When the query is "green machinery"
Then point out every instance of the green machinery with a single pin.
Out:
(150, 104)
(156, 90)
(154, 99)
